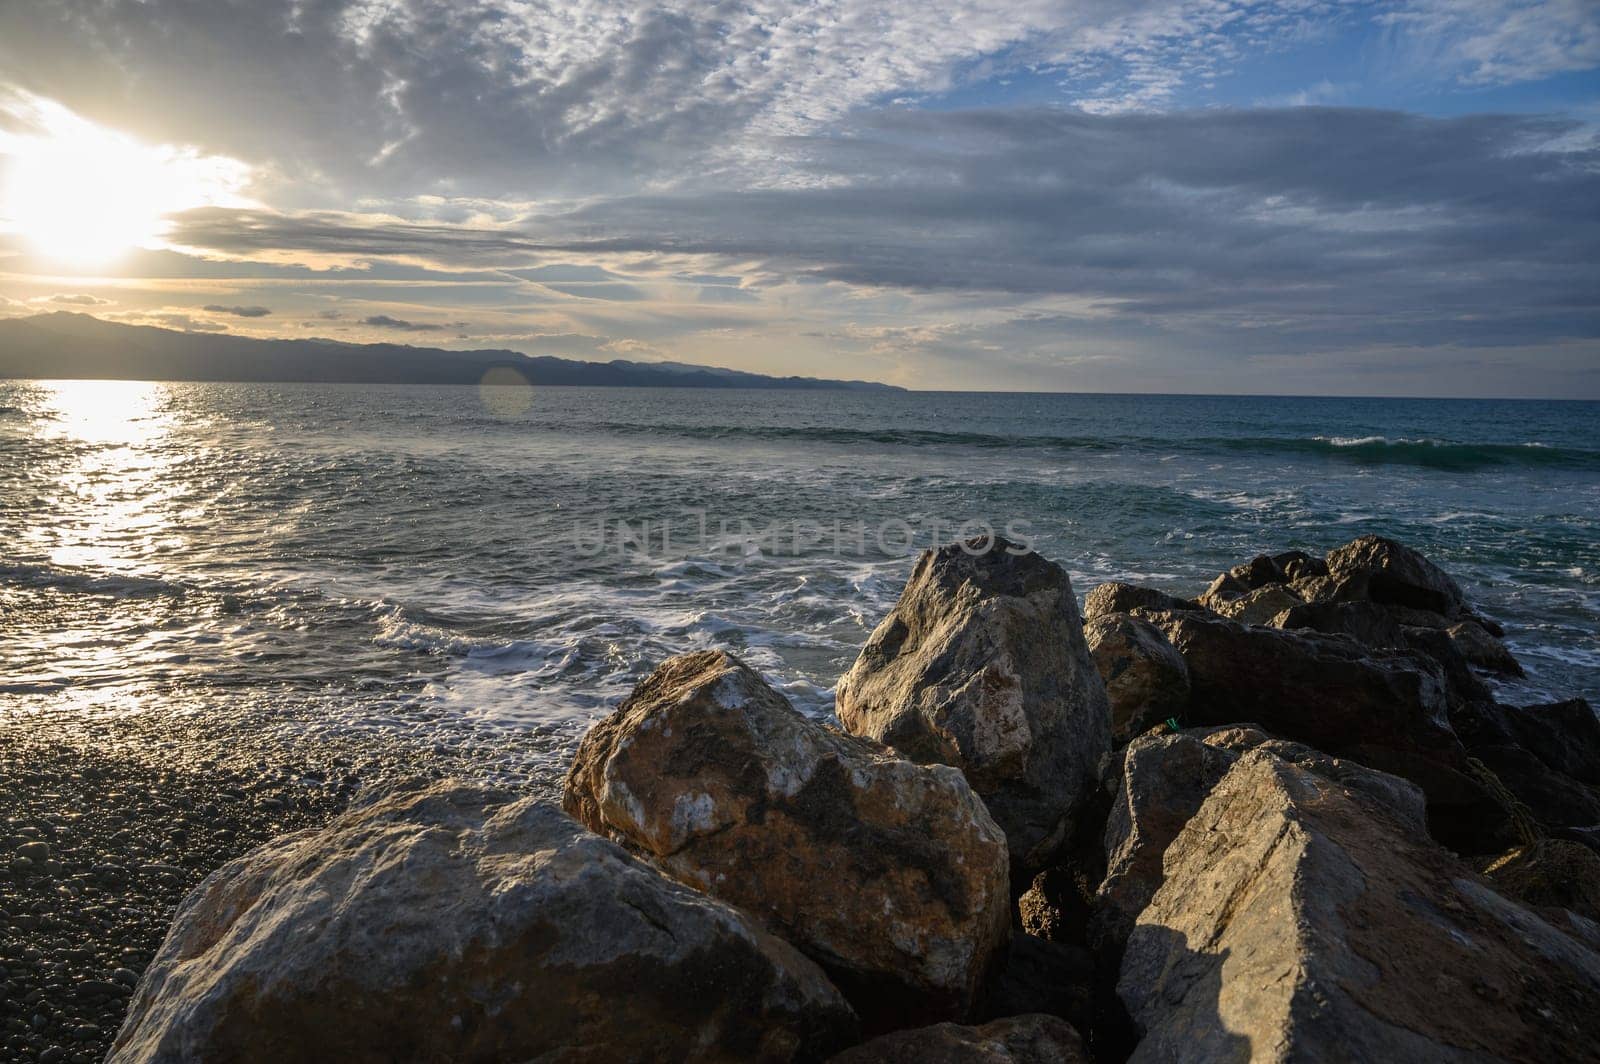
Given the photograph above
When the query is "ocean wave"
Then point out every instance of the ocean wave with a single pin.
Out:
(834, 434)
(88, 581)
(1428, 453)
(396, 631)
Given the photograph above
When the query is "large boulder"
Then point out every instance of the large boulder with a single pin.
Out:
(1322, 690)
(1365, 622)
(448, 924)
(1164, 781)
(713, 776)
(1461, 682)
(1146, 680)
(1376, 591)
(1299, 920)
(1384, 708)
(1032, 1039)
(1384, 571)
(1547, 756)
(1165, 778)
(982, 665)
(1563, 735)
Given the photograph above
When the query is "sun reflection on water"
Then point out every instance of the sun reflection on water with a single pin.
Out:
(110, 500)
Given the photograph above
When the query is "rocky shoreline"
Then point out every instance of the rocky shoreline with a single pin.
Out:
(101, 847)
(133, 813)
(1285, 819)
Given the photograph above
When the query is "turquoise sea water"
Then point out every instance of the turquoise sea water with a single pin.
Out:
(443, 562)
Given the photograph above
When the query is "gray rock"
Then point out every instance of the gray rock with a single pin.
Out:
(1145, 677)
(711, 775)
(982, 665)
(443, 925)
(1548, 756)
(1031, 1039)
(1300, 921)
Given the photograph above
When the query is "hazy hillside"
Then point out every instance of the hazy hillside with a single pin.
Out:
(68, 345)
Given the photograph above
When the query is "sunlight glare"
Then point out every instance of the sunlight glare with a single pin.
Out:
(121, 477)
(82, 193)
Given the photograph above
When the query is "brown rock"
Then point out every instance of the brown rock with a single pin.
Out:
(1384, 708)
(1165, 778)
(1055, 907)
(1547, 756)
(1035, 1039)
(1260, 605)
(1225, 588)
(450, 924)
(1393, 574)
(1120, 598)
(1484, 650)
(1325, 588)
(1258, 572)
(1146, 680)
(982, 665)
(1300, 921)
(1297, 565)
(1365, 622)
(1550, 874)
(890, 874)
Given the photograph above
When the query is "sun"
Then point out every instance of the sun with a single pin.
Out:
(84, 194)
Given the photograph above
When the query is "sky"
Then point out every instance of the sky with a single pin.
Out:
(1285, 196)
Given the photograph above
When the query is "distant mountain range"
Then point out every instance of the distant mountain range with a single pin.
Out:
(77, 346)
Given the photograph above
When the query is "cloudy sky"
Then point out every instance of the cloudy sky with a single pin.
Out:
(1289, 196)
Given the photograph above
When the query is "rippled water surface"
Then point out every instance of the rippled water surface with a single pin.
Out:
(448, 564)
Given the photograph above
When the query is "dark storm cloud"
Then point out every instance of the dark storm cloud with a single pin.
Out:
(238, 312)
(1355, 225)
(384, 321)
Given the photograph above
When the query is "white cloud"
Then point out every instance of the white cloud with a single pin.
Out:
(512, 98)
(1494, 42)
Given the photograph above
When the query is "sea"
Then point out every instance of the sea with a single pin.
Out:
(452, 566)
